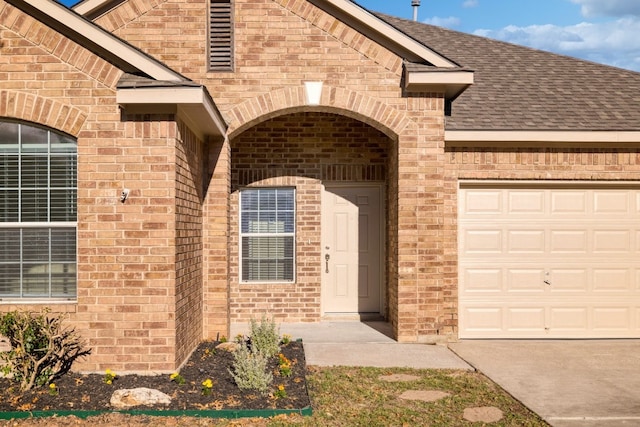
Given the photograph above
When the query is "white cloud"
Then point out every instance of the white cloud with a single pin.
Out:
(615, 42)
(470, 3)
(616, 8)
(449, 22)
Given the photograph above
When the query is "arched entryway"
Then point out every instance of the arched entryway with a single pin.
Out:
(332, 171)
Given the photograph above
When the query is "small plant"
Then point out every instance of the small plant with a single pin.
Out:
(177, 378)
(284, 365)
(250, 371)
(286, 339)
(109, 376)
(239, 338)
(265, 337)
(207, 385)
(41, 348)
(280, 393)
(223, 339)
(53, 389)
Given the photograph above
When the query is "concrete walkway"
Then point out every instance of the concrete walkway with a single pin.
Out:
(352, 343)
(573, 383)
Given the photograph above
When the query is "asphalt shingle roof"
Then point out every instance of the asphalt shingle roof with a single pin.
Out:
(519, 88)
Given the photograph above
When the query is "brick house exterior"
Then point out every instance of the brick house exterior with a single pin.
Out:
(397, 110)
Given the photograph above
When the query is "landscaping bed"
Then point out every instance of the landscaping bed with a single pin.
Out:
(83, 394)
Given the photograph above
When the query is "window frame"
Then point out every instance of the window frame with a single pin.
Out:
(43, 268)
(242, 235)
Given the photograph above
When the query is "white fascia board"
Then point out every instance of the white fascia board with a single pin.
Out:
(75, 23)
(87, 6)
(419, 78)
(192, 104)
(370, 21)
(458, 137)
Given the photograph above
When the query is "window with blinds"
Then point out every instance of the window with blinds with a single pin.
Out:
(267, 235)
(221, 35)
(38, 188)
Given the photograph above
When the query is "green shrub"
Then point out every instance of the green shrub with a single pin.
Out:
(41, 349)
(249, 370)
(265, 337)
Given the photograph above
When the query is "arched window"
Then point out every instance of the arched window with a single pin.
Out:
(38, 213)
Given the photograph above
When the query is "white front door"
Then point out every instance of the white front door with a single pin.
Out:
(352, 243)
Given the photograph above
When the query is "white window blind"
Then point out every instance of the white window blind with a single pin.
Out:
(38, 191)
(267, 234)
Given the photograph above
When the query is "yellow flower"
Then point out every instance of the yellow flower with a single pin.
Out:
(52, 386)
(281, 387)
(173, 376)
(207, 383)
(109, 382)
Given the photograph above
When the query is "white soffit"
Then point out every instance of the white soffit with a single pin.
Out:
(63, 19)
(462, 137)
(193, 104)
(385, 34)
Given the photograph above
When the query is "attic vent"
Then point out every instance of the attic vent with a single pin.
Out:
(221, 36)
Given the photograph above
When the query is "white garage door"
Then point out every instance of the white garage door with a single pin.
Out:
(549, 261)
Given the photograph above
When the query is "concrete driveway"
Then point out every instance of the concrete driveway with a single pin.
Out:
(568, 383)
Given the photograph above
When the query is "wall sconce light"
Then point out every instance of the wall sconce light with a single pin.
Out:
(124, 195)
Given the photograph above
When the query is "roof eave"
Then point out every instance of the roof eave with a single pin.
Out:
(92, 9)
(380, 31)
(451, 83)
(582, 138)
(193, 104)
(96, 39)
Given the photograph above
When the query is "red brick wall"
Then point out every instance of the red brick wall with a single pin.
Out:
(189, 176)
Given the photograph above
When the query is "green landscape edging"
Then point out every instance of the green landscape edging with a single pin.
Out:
(222, 413)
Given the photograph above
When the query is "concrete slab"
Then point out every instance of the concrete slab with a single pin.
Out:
(355, 343)
(568, 383)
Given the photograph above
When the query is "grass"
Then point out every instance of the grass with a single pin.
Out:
(350, 396)
(358, 397)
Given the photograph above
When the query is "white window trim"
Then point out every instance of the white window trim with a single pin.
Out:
(293, 234)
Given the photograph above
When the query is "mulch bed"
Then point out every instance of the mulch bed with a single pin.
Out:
(78, 392)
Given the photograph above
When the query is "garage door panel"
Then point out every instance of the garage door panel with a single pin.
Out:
(612, 318)
(483, 242)
(526, 202)
(573, 280)
(483, 280)
(611, 241)
(568, 203)
(568, 241)
(525, 280)
(483, 203)
(525, 319)
(612, 280)
(611, 202)
(526, 241)
(549, 262)
(568, 319)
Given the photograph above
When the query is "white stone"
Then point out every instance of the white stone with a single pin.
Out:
(399, 378)
(127, 398)
(484, 414)
(424, 395)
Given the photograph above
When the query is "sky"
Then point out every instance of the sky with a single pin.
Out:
(604, 31)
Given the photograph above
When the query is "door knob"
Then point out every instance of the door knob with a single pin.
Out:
(326, 260)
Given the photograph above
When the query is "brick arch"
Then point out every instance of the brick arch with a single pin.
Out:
(364, 108)
(40, 110)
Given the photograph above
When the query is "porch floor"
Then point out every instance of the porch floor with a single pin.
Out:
(366, 343)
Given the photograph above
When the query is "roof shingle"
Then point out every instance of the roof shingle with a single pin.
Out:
(519, 88)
